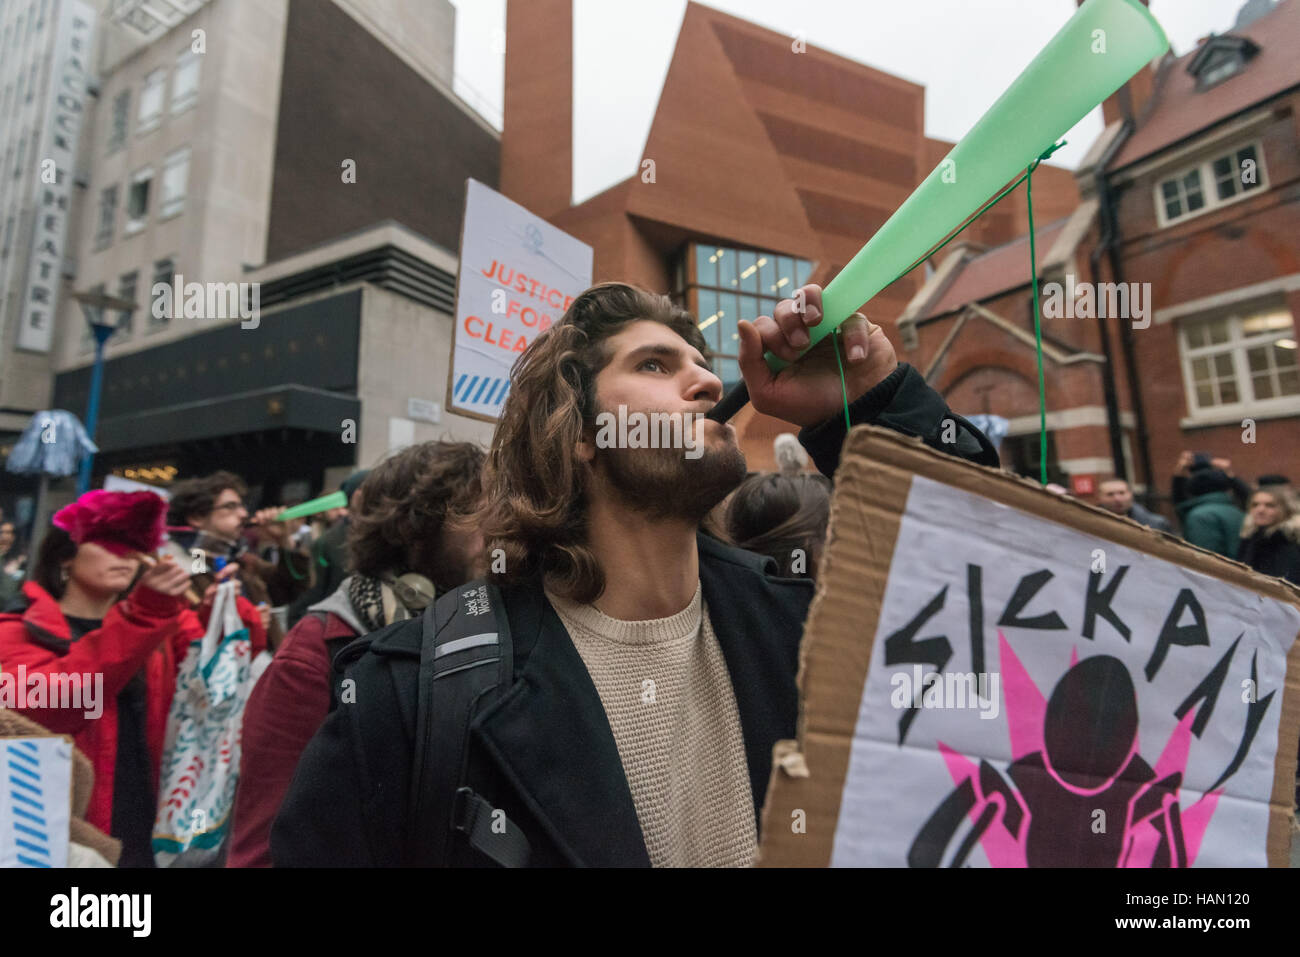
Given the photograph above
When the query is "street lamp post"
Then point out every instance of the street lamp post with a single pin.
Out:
(93, 305)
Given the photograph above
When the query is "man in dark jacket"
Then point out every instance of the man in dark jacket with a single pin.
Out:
(654, 667)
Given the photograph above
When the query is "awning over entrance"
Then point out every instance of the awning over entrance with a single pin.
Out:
(280, 407)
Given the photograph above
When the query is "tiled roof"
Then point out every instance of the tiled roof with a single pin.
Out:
(995, 271)
(1178, 110)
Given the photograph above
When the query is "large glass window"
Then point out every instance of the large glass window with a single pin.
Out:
(1231, 362)
(734, 284)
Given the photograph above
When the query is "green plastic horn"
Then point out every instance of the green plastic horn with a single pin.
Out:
(1094, 54)
(324, 503)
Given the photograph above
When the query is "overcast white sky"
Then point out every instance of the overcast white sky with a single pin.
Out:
(965, 52)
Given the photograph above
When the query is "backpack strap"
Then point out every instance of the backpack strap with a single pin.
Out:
(466, 662)
(334, 648)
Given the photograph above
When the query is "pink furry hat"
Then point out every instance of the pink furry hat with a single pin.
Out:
(122, 522)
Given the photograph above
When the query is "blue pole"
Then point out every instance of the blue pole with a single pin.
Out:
(102, 332)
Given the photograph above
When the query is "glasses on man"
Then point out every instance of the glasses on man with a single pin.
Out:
(228, 507)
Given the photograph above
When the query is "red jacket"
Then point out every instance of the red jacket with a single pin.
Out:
(147, 629)
(286, 708)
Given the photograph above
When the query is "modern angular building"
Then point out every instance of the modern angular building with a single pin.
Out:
(769, 163)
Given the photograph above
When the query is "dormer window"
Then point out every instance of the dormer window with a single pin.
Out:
(1220, 70)
(1220, 59)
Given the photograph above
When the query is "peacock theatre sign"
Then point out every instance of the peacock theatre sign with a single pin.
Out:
(57, 159)
(518, 275)
(993, 675)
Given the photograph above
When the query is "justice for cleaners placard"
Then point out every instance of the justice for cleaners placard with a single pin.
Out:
(518, 275)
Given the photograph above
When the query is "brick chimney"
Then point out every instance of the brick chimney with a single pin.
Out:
(537, 139)
(1130, 99)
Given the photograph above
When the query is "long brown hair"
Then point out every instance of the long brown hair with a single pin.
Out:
(409, 504)
(56, 548)
(775, 514)
(536, 489)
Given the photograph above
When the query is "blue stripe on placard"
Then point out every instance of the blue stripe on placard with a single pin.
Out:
(22, 770)
(469, 388)
(498, 388)
(36, 841)
(479, 392)
(459, 382)
(30, 816)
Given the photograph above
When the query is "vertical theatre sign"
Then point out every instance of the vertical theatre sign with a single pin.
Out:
(518, 275)
(64, 114)
(996, 676)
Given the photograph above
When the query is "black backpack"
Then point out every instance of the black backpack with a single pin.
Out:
(466, 664)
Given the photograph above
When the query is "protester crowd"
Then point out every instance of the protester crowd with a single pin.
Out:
(1257, 525)
(344, 614)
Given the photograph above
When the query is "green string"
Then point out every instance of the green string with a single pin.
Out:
(1038, 328)
(1027, 179)
(844, 388)
(289, 565)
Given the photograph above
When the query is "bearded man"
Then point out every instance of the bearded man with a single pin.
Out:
(653, 666)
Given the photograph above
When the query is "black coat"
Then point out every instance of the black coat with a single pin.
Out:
(544, 753)
(1274, 552)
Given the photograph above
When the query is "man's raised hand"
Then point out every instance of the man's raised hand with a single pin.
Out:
(808, 391)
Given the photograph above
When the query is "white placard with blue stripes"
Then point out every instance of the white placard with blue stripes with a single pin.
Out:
(35, 801)
(518, 275)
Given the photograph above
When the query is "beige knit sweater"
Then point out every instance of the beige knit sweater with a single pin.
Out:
(668, 697)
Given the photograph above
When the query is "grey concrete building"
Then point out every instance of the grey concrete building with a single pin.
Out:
(310, 157)
(46, 49)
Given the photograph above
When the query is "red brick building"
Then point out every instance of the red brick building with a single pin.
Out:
(769, 163)
(1189, 202)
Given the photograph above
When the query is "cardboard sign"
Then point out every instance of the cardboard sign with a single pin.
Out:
(518, 275)
(993, 675)
(35, 801)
